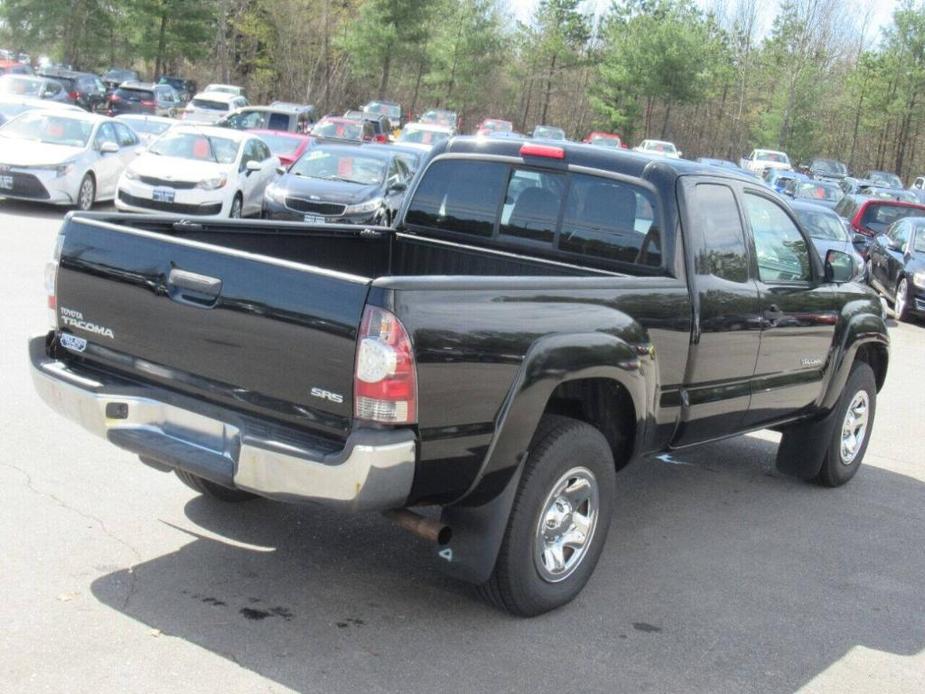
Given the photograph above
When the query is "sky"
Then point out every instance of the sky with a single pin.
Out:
(882, 11)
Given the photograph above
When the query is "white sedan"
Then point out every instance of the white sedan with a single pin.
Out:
(64, 157)
(199, 171)
(659, 148)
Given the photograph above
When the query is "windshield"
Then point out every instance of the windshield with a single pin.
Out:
(196, 146)
(549, 133)
(422, 136)
(391, 110)
(347, 166)
(600, 141)
(885, 180)
(660, 147)
(49, 129)
(207, 105)
(280, 144)
(822, 224)
(23, 86)
(777, 157)
(829, 166)
(140, 125)
(341, 131)
(819, 191)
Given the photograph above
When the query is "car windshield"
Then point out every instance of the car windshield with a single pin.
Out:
(819, 191)
(600, 141)
(50, 129)
(197, 146)
(347, 166)
(497, 125)
(133, 94)
(148, 127)
(829, 166)
(885, 180)
(549, 133)
(776, 157)
(280, 144)
(660, 147)
(422, 136)
(879, 216)
(20, 85)
(393, 111)
(341, 131)
(822, 224)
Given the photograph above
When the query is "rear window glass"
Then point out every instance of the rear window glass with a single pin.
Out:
(135, 94)
(210, 105)
(278, 121)
(879, 216)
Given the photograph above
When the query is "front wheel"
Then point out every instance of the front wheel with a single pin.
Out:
(236, 206)
(559, 520)
(901, 300)
(854, 417)
(86, 194)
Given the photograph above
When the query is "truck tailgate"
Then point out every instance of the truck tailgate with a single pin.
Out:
(264, 335)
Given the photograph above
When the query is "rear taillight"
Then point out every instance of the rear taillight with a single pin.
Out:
(148, 103)
(73, 95)
(51, 282)
(382, 139)
(385, 379)
(114, 98)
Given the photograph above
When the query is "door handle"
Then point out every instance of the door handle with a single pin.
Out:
(192, 288)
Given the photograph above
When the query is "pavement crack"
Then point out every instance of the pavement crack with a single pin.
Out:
(30, 485)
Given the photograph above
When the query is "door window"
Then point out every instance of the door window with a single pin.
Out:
(782, 252)
(723, 254)
(278, 121)
(125, 135)
(106, 133)
(899, 234)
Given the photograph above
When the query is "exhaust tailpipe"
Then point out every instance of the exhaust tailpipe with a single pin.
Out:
(429, 529)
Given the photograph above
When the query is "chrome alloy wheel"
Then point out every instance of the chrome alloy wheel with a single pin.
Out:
(854, 428)
(902, 294)
(86, 194)
(566, 525)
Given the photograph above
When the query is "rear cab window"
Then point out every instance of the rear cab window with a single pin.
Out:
(579, 218)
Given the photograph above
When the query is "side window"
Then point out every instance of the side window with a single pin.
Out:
(106, 133)
(532, 204)
(900, 234)
(780, 247)
(278, 121)
(263, 152)
(250, 153)
(460, 196)
(723, 253)
(125, 135)
(610, 220)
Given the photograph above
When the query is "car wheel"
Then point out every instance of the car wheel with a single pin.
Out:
(236, 205)
(854, 420)
(212, 490)
(86, 194)
(869, 275)
(558, 522)
(901, 300)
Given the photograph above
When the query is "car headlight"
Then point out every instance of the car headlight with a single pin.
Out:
(213, 183)
(276, 194)
(918, 279)
(62, 170)
(131, 175)
(368, 206)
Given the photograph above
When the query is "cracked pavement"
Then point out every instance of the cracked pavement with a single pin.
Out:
(719, 574)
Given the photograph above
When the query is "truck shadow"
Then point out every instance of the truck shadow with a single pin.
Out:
(718, 574)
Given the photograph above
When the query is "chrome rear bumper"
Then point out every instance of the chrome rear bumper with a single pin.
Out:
(373, 471)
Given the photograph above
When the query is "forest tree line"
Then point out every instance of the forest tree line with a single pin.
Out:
(811, 80)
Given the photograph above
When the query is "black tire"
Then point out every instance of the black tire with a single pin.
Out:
(901, 300)
(86, 193)
(560, 446)
(210, 489)
(835, 470)
(237, 207)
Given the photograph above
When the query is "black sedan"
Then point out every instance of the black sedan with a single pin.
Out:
(340, 184)
(896, 267)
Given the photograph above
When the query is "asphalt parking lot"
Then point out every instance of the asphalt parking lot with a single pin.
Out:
(720, 575)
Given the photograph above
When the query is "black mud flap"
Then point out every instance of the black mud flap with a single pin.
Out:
(803, 447)
(478, 532)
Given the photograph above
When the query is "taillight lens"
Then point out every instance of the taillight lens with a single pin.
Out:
(73, 95)
(51, 282)
(385, 379)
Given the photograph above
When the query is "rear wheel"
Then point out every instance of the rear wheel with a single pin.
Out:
(210, 489)
(854, 417)
(86, 194)
(559, 520)
(901, 300)
(236, 206)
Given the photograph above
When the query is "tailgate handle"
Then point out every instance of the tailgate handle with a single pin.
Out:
(194, 289)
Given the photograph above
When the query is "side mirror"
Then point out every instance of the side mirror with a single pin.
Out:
(399, 187)
(109, 148)
(253, 165)
(839, 266)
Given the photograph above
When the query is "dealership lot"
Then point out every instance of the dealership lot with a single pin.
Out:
(719, 573)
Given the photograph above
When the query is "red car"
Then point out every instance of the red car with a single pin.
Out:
(602, 139)
(13, 67)
(494, 125)
(871, 217)
(285, 145)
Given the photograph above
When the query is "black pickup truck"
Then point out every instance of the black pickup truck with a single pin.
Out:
(540, 316)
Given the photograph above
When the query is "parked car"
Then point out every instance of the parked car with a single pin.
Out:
(761, 159)
(547, 132)
(115, 76)
(536, 320)
(872, 216)
(340, 184)
(441, 116)
(884, 179)
(818, 192)
(144, 97)
(64, 157)
(285, 145)
(659, 148)
(148, 128)
(199, 171)
(283, 118)
(184, 88)
(424, 135)
(211, 107)
(896, 266)
(333, 128)
(826, 169)
(602, 139)
(14, 67)
(389, 109)
(83, 89)
(32, 87)
(493, 125)
(224, 89)
(828, 232)
(382, 128)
